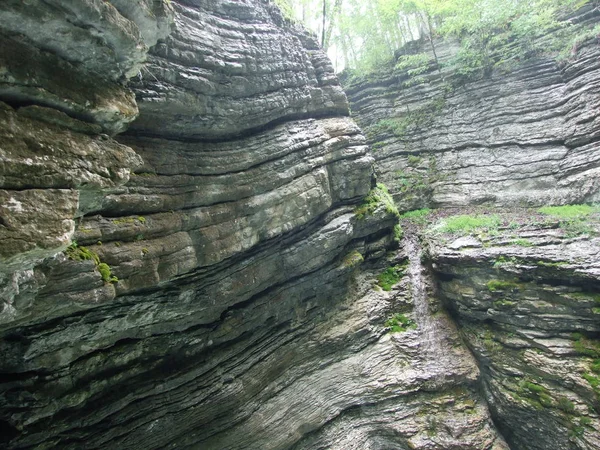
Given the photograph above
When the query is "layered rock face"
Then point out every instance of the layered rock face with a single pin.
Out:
(526, 301)
(220, 291)
(523, 136)
(521, 286)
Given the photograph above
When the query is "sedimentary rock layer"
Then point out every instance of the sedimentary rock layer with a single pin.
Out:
(527, 135)
(526, 300)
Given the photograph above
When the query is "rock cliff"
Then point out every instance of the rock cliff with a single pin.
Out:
(520, 281)
(182, 260)
(525, 135)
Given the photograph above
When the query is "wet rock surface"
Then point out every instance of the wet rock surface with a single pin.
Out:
(525, 298)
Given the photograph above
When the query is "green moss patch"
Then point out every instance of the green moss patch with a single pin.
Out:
(569, 211)
(400, 323)
(378, 197)
(80, 253)
(467, 224)
(390, 277)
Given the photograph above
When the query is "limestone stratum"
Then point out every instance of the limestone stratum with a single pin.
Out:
(208, 241)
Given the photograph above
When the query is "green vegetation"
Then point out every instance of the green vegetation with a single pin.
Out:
(410, 122)
(353, 259)
(503, 304)
(398, 233)
(468, 224)
(536, 393)
(77, 253)
(414, 160)
(573, 218)
(572, 45)
(417, 213)
(399, 323)
(570, 211)
(80, 253)
(390, 277)
(364, 36)
(378, 197)
(523, 242)
(566, 405)
(585, 346)
(129, 220)
(501, 285)
(106, 274)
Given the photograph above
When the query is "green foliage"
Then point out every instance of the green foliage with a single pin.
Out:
(537, 393)
(378, 197)
(414, 64)
(399, 323)
(587, 347)
(414, 160)
(571, 47)
(502, 285)
(566, 405)
(468, 224)
(286, 8)
(390, 277)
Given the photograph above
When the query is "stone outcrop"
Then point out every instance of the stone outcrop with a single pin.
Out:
(526, 135)
(526, 300)
(197, 276)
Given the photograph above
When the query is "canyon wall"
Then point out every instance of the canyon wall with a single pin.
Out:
(181, 259)
(521, 283)
(525, 135)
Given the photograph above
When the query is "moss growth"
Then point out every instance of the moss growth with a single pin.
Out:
(378, 197)
(503, 304)
(352, 259)
(585, 346)
(417, 213)
(77, 253)
(390, 277)
(500, 285)
(399, 323)
(414, 160)
(106, 274)
(566, 405)
(467, 224)
(523, 243)
(398, 233)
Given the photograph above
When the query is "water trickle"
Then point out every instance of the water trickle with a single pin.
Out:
(434, 346)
